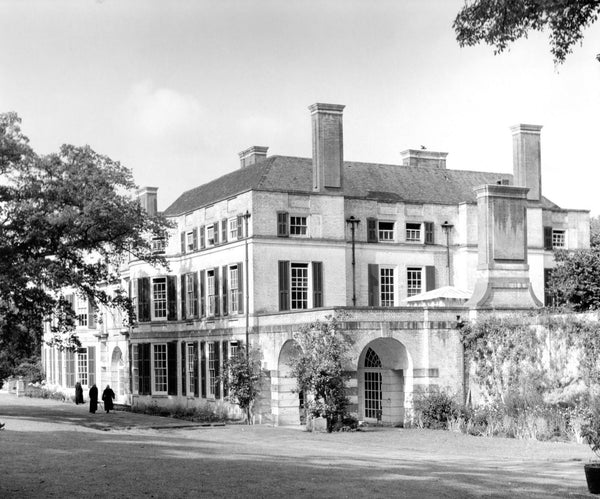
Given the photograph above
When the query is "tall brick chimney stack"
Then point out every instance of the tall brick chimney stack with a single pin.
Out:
(328, 146)
(254, 154)
(527, 161)
(148, 199)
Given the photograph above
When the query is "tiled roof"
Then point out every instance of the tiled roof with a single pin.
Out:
(394, 183)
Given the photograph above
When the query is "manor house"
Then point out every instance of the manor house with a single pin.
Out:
(401, 253)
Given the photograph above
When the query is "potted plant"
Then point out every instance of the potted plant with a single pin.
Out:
(590, 432)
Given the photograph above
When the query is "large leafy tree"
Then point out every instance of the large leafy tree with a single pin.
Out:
(66, 220)
(501, 22)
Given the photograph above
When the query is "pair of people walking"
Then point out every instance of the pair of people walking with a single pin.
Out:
(107, 397)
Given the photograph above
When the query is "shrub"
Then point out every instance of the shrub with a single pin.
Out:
(435, 409)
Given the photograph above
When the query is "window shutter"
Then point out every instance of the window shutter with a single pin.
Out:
(183, 242)
(217, 311)
(429, 231)
(224, 370)
(202, 295)
(202, 238)
(194, 311)
(241, 295)
(216, 233)
(144, 361)
(240, 226)
(373, 285)
(202, 364)
(183, 369)
(284, 285)
(224, 230)
(143, 299)
(183, 297)
(196, 371)
(91, 366)
(91, 313)
(134, 379)
(224, 291)
(548, 238)
(195, 239)
(371, 230)
(282, 224)
(172, 368)
(429, 278)
(317, 276)
(217, 370)
(172, 297)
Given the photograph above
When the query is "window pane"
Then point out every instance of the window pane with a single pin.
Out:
(211, 291)
(159, 297)
(160, 368)
(233, 289)
(299, 285)
(413, 232)
(192, 367)
(298, 226)
(212, 369)
(82, 366)
(386, 280)
(558, 238)
(233, 228)
(386, 231)
(413, 281)
(82, 312)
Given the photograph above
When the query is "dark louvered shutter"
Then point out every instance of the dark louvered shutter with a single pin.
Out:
(201, 235)
(429, 278)
(282, 224)
(202, 365)
(548, 238)
(224, 230)
(134, 378)
(224, 307)
(216, 233)
(216, 290)
(183, 369)
(224, 370)
(371, 230)
(183, 297)
(317, 275)
(202, 294)
(194, 311)
(196, 371)
(194, 239)
(284, 285)
(241, 295)
(91, 366)
(172, 297)
(373, 285)
(217, 370)
(240, 226)
(183, 242)
(91, 313)
(429, 238)
(172, 368)
(144, 368)
(144, 299)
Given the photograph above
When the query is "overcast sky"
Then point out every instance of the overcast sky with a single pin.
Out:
(175, 89)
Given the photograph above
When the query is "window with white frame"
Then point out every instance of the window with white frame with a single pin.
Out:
(190, 243)
(82, 311)
(210, 235)
(192, 368)
(413, 232)
(233, 349)
(386, 283)
(212, 369)
(159, 298)
(191, 303)
(233, 229)
(299, 285)
(158, 244)
(234, 305)
(82, 366)
(414, 280)
(385, 231)
(558, 238)
(211, 292)
(160, 368)
(298, 226)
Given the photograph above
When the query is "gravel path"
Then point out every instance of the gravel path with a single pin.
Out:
(53, 449)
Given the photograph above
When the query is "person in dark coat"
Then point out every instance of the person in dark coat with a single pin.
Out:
(78, 393)
(93, 399)
(107, 397)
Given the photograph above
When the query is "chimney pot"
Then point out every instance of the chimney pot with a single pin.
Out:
(423, 157)
(527, 162)
(148, 199)
(328, 146)
(252, 155)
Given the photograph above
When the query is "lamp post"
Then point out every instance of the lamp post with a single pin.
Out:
(353, 223)
(246, 218)
(447, 227)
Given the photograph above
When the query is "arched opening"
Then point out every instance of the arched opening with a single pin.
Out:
(117, 372)
(289, 408)
(384, 380)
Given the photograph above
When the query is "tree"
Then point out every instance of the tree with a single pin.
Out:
(500, 22)
(66, 220)
(319, 368)
(242, 377)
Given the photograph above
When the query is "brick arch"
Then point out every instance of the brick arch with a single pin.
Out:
(288, 401)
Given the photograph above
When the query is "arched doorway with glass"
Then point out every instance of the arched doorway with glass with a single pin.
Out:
(384, 366)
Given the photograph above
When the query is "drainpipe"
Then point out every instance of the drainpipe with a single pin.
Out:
(246, 217)
(353, 223)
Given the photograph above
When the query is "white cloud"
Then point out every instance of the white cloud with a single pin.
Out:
(163, 111)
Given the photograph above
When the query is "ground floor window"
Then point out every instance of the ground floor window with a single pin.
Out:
(160, 368)
(192, 368)
(82, 366)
